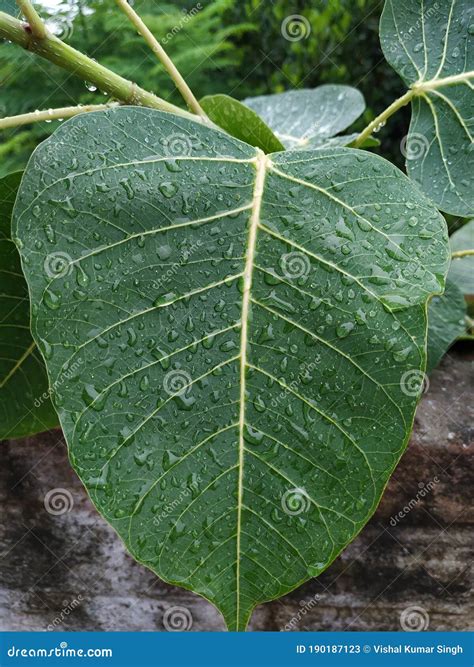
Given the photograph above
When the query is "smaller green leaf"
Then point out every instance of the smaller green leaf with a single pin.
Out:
(305, 118)
(462, 268)
(430, 44)
(241, 122)
(25, 406)
(446, 322)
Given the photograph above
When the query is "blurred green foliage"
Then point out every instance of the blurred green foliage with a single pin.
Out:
(237, 47)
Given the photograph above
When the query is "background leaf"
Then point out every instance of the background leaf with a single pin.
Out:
(461, 270)
(446, 322)
(242, 345)
(241, 122)
(25, 407)
(304, 118)
(428, 43)
(9, 7)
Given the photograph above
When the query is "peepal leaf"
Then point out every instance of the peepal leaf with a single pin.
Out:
(241, 122)
(304, 119)
(25, 407)
(446, 322)
(461, 270)
(240, 327)
(430, 44)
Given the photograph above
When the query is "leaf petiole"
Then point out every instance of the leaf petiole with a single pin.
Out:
(163, 57)
(38, 28)
(462, 253)
(58, 52)
(51, 114)
(383, 117)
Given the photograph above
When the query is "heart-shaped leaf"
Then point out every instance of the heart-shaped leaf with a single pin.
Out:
(242, 328)
(303, 119)
(446, 322)
(25, 406)
(241, 122)
(430, 44)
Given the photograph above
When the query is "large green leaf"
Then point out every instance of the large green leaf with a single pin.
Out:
(446, 322)
(25, 406)
(304, 119)
(430, 44)
(461, 270)
(244, 338)
(240, 121)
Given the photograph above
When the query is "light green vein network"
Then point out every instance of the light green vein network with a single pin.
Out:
(243, 327)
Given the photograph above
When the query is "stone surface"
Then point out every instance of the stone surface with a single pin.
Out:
(69, 571)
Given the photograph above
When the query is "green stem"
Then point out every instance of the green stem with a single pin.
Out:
(163, 57)
(38, 28)
(462, 253)
(53, 49)
(389, 111)
(51, 114)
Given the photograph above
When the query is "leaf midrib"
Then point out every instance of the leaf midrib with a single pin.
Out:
(261, 162)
